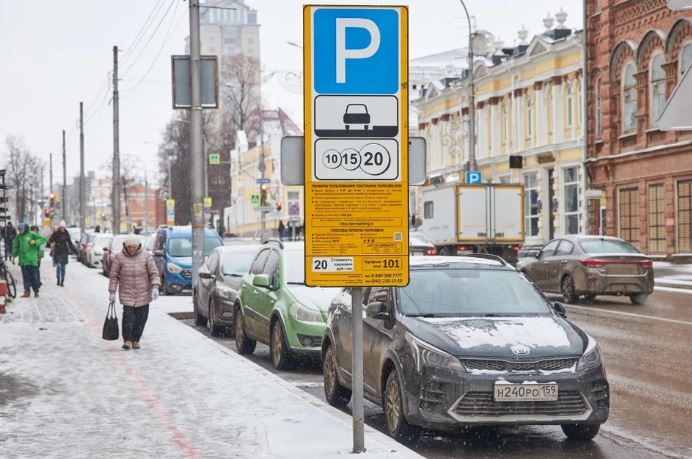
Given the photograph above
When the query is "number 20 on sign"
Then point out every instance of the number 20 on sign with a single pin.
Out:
(356, 145)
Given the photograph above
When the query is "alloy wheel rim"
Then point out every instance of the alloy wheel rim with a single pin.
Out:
(329, 374)
(276, 344)
(393, 404)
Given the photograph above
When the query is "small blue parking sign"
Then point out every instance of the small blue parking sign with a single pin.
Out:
(474, 178)
(356, 51)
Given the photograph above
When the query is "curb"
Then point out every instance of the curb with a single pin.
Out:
(685, 286)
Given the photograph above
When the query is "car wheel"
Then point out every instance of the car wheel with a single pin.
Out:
(243, 344)
(166, 289)
(278, 348)
(580, 431)
(336, 394)
(639, 298)
(393, 404)
(214, 328)
(567, 289)
(200, 320)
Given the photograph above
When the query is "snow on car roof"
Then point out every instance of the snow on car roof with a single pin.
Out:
(444, 260)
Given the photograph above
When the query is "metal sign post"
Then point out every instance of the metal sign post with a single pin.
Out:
(356, 158)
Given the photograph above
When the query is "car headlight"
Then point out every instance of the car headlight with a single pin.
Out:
(304, 314)
(426, 354)
(173, 268)
(591, 357)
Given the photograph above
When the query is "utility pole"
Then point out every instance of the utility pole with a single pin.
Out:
(50, 175)
(473, 166)
(196, 149)
(82, 188)
(116, 147)
(64, 179)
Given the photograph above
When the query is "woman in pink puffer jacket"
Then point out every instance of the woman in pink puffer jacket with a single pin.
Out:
(135, 276)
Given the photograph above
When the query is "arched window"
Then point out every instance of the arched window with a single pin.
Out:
(599, 108)
(658, 87)
(685, 58)
(570, 105)
(629, 99)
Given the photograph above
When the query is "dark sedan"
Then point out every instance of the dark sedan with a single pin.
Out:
(587, 266)
(218, 285)
(468, 342)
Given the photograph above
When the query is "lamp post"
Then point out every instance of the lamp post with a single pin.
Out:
(472, 96)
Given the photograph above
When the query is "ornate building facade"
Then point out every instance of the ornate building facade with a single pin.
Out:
(528, 127)
(637, 51)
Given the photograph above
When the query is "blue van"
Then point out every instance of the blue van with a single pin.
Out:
(173, 256)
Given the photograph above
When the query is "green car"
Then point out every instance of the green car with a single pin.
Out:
(276, 308)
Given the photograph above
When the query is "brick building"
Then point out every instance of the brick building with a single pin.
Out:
(636, 52)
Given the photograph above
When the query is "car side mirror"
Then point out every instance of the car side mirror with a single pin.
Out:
(158, 253)
(560, 309)
(261, 280)
(376, 310)
(205, 274)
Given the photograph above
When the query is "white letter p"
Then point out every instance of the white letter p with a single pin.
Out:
(343, 53)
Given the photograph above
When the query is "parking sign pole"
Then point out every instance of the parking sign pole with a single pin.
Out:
(357, 367)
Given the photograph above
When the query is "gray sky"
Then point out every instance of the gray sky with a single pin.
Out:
(57, 53)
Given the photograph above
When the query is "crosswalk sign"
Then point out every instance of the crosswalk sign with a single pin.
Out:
(255, 199)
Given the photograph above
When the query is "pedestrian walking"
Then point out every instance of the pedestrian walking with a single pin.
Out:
(282, 228)
(134, 276)
(8, 236)
(25, 247)
(41, 251)
(61, 244)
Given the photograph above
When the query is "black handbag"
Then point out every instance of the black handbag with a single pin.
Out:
(111, 331)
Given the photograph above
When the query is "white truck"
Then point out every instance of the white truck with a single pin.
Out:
(486, 218)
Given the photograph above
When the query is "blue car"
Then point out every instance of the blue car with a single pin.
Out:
(173, 256)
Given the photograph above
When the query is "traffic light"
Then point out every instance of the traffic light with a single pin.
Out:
(263, 194)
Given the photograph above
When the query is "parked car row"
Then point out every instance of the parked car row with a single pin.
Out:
(470, 340)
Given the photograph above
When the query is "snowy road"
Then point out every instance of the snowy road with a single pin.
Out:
(646, 349)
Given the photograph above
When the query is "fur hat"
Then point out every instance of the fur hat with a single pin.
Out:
(62, 224)
(131, 240)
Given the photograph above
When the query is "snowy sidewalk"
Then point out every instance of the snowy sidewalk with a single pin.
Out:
(64, 392)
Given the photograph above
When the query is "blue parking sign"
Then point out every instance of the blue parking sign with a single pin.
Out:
(356, 51)
(474, 178)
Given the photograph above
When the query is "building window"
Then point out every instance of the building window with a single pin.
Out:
(628, 216)
(570, 105)
(570, 190)
(658, 88)
(531, 209)
(685, 58)
(685, 216)
(599, 108)
(657, 224)
(629, 99)
(428, 208)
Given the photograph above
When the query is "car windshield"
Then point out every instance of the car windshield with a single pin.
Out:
(595, 246)
(238, 262)
(182, 246)
(294, 266)
(102, 241)
(470, 292)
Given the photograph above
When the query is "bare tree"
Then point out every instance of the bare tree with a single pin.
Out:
(23, 171)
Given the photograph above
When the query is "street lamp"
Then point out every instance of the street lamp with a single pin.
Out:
(473, 166)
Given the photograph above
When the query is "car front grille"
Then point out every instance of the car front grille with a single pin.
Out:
(482, 404)
(508, 366)
(187, 274)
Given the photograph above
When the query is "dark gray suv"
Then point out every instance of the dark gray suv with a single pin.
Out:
(470, 341)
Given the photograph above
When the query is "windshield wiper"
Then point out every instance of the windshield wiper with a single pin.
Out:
(295, 283)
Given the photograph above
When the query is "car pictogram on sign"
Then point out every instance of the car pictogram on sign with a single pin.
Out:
(356, 114)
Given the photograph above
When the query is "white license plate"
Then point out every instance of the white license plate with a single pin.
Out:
(507, 392)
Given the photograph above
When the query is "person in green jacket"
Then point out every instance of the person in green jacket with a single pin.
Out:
(26, 247)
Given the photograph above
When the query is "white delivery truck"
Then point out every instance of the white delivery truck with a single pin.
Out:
(485, 218)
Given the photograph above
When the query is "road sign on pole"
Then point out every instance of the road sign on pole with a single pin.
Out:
(214, 159)
(170, 212)
(356, 158)
(474, 178)
(356, 146)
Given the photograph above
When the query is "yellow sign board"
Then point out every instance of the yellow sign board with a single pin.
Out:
(356, 145)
